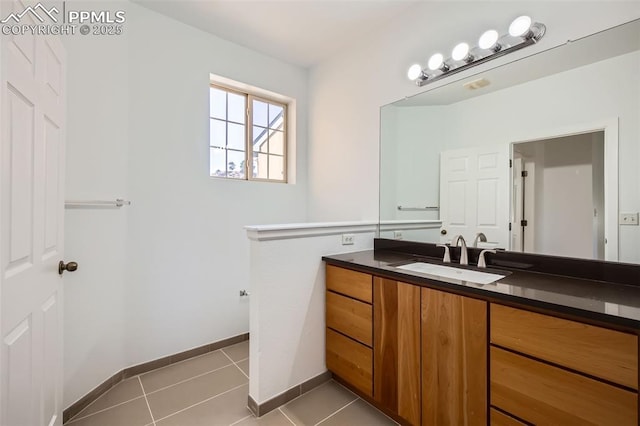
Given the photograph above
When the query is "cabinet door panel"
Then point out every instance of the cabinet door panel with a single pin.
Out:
(454, 359)
(543, 394)
(397, 347)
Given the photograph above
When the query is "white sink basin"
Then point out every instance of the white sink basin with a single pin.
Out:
(454, 273)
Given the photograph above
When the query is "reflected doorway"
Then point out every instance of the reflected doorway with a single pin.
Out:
(558, 196)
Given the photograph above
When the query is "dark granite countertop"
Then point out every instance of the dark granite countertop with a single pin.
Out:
(598, 301)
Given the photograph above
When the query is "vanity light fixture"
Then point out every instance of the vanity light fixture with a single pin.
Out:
(522, 32)
(461, 53)
(489, 41)
(436, 62)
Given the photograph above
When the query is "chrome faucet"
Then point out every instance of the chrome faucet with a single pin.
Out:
(464, 259)
(479, 237)
(447, 256)
(482, 263)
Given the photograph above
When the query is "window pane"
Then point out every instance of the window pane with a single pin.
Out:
(278, 125)
(260, 166)
(236, 108)
(276, 142)
(259, 113)
(236, 137)
(218, 103)
(235, 164)
(217, 133)
(276, 167)
(260, 139)
(275, 116)
(217, 162)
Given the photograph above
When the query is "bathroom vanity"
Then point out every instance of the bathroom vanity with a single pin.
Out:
(533, 347)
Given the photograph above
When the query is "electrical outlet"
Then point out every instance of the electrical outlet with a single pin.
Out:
(628, 218)
(397, 235)
(348, 239)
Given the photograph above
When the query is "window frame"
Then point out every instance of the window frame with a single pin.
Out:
(248, 135)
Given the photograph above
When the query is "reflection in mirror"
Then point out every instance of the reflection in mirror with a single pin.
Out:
(540, 155)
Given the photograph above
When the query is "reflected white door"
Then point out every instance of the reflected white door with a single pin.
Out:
(474, 197)
(31, 220)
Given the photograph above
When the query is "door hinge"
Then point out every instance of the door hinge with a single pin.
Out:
(523, 223)
(510, 163)
(525, 173)
(509, 226)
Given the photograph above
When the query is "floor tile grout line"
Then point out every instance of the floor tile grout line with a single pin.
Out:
(147, 401)
(234, 363)
(242, 419)
(190, 378)
(76, 418)
(336, 412)
(313, 390)
(384, 414)
(285, 415)
(203, 401)
(227, 355)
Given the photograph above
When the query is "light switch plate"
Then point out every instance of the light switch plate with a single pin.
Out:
(628, 218)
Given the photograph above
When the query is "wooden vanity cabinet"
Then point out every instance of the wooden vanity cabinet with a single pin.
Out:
(421, 354)
(435, 358)
(548, 370)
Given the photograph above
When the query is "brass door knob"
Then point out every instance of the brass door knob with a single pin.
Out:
(71, 266)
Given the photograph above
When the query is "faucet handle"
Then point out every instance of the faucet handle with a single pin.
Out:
(447, 255)
(481, 262)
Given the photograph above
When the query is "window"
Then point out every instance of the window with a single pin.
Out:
(247, 136)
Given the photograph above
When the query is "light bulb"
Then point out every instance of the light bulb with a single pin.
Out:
(520, 26)
(488, 39)
(460, 52)
(436, 61)
(414, 72)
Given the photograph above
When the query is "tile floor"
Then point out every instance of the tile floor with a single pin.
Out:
(212, 390)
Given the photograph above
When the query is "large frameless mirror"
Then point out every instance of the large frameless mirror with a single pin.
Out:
(540, 155)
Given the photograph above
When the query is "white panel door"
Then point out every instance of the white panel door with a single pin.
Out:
(474, 197)
(31, 220)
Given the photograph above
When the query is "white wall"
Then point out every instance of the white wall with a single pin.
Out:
(163, 275)
(96, 168)
(347, 91)
(288, 300)
(186, 240)
(566, 222)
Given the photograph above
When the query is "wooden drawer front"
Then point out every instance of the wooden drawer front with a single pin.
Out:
(351, 361)
(352, 283)
(603, 353)
(498, 418)
(350, 317)
(542, 394)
